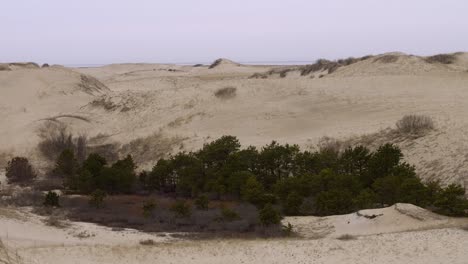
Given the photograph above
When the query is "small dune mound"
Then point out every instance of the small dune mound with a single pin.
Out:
(223, 62)
(397, 218)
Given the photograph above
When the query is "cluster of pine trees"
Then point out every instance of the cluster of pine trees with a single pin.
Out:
(323, 182)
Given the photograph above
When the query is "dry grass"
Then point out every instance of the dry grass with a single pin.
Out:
(346, 237)
(387, 59)
(228, 92)
(442, 58)
(147, 242)
(150, 148)
(414, 124)
(90, 85)
(215, 63)
(56, 221)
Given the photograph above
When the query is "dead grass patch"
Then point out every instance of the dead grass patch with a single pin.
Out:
(442, 58)
(228, 92)
(414, 124)
(346, 237)
(387, 59)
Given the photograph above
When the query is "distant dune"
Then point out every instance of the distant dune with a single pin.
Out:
(175, 106)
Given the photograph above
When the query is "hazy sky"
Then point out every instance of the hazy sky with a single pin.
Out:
(109, 31)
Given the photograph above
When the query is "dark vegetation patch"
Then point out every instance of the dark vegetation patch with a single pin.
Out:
(387, 58)
(319, 66)
(91, 85)
(226, 92)
(442, 58)
(415, 124)
(215, 63)
(29, 65)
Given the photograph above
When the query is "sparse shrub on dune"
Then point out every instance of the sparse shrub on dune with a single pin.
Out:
(442, 58)
(389, 58)
(55, 138)
(346, 237)
(215, 63)
(414, 124)
(226, 92)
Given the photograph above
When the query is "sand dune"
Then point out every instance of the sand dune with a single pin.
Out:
(132, 101)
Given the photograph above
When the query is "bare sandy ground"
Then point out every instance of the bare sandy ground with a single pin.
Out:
(405, 235)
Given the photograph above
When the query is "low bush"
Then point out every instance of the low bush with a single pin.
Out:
(269, 216)
(181, 209)
(442, 58)
(414, 124)
(387, 58)
(229, 215)
(202, 202)
(51, 199)
(226, 92)
(97, 198)
(346, 237)
(148, 209)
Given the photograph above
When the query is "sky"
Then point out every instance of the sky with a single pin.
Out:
(194, 31)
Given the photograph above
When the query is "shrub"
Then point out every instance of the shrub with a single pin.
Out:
(97, 198)
(442, 58)
(181, 209)
(334, 202)
(226, 92)
(51, 199)
(148, 209)
(293, 204)
(414, 124)
(269, 216)
(387, 58)
(253, 192)
(287, 229)
(55, 138)
(19, 171)
(215, 63)
(451, 200)
(229, 215)
(346, 237)
(202, 202)
(147, 242)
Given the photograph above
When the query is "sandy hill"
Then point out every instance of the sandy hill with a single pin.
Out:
(152, 109)
(30, 96)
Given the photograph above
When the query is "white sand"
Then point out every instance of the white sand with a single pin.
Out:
(403, 240)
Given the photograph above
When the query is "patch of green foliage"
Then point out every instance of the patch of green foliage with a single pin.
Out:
(51, 199)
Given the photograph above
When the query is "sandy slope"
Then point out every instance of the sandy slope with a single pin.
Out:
(401, 234)
(174, 108)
